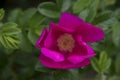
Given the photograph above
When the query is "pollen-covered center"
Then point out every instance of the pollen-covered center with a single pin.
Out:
(66, 42)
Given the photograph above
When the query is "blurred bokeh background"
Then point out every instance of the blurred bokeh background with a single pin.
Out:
(24, 21)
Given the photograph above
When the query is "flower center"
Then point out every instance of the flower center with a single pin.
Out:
(66, 42)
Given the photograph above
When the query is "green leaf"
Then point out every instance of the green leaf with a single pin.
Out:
(49, 9)
(80, 5)
(10, 42)
(25, 43)
(107, 65)
(15, 15)
(10, 24)
(32, 36)
(64, 5)
(39, 67)
(38, 30)
(9, 35)
(92, 10)
(10, 29)
(102, 5)
(84, 14)
(117, 13)
(13, 41)
(116, 34)
(108, 23)
(27, 15)
(104, 61)
(89, 13)
(95, 64)
(117, 64)
(103, 58)
(106, 3)
(106, 15)
(2, 13)
(36, 20)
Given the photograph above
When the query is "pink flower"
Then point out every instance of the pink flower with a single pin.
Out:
(64, 45)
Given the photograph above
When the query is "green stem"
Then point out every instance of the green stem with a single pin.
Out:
(101, 76)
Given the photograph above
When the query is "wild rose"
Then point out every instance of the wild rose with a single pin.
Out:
(64, 45)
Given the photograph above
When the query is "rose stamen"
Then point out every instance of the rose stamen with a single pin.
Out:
(66, 42)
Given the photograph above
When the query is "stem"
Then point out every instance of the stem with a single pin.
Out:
(102, 76)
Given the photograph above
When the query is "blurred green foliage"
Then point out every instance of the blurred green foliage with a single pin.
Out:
(20, 29)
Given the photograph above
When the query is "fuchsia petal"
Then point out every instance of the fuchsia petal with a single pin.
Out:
(54, 33)
(81, 52)
(40, 42)
(56, 56)
(75, 59)
(69, 21)
(62, 65)
(81, 32)
(90, 51)
(91, 33)
(58, 28)
(49, 40)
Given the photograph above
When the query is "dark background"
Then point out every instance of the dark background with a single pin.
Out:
(10, 4)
